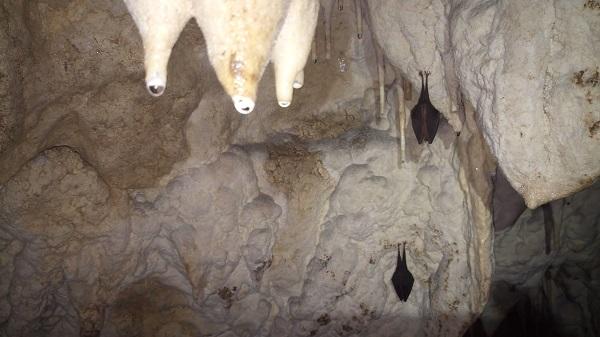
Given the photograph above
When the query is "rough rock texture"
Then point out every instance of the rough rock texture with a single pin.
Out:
(127, 215)
(280, 223)
(569, 277)
(533, 82)
(80, 87)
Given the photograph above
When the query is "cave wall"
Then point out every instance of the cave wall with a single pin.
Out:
(530, 70)
(566, 279)
(123, 214)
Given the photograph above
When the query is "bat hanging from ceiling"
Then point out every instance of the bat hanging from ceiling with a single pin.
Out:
(402, 279)
(425, 117)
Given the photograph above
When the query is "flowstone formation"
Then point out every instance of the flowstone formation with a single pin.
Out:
(123, 214)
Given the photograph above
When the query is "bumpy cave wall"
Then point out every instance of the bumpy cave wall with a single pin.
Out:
(566, 281)
(530, 70)
(127, 215)
(124, 215)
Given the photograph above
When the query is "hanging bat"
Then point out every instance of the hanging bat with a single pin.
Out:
(548, 226)
(402, 279)
(425, 117)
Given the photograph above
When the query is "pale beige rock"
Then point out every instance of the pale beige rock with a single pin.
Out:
(240, 50)
(159, 23)
(292, 46)
(538, 110)
(123, 214)
(533, 83)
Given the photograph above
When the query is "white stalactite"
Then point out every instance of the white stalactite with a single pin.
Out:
(239, 36)
(359, 28)
(381, 80)
(299, 80)
(401, 120)
(313, 50)
(159, 22)
(327, 18)
(292, 48)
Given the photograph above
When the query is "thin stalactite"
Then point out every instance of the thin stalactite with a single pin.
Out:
(381, 80)
(401, 120)
(313, 51)
(359, 28)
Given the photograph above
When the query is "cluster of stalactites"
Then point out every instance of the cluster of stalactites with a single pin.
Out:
(241, 38)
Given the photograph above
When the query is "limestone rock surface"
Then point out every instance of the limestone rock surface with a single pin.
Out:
(122, 214)
(567, 277)
(533, 82)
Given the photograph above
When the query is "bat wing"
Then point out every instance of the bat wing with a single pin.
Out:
(402, 279)
(418, 119)
(403, 282)
(432, 121)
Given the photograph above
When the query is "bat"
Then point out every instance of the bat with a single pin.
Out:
(425, 117)
(548, 226)
(402, 279)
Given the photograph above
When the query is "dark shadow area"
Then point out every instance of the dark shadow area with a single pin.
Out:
(523, 320)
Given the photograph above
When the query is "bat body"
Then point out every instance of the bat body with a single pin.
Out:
(425, 117)
(548, 226)
(402, 279)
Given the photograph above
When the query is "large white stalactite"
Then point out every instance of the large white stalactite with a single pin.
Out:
(240, 36)
(160, 22)
(292, 48)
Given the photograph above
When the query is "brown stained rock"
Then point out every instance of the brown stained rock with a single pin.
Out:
(227, 295)
(300, 174)
(13, 48)
(291, 167)
(592, 4)
(58, 207)
(594, 129)
(334, 125)
(83, 87)
(56, 194)
(77, 46)
(91, 321)
(323, 320)
(165, 313)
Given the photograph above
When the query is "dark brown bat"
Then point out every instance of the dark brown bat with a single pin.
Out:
(402, 279)
(548, 226)
(425, 117)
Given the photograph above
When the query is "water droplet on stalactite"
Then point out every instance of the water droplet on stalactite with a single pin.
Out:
(343, 66)
(358, 8)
